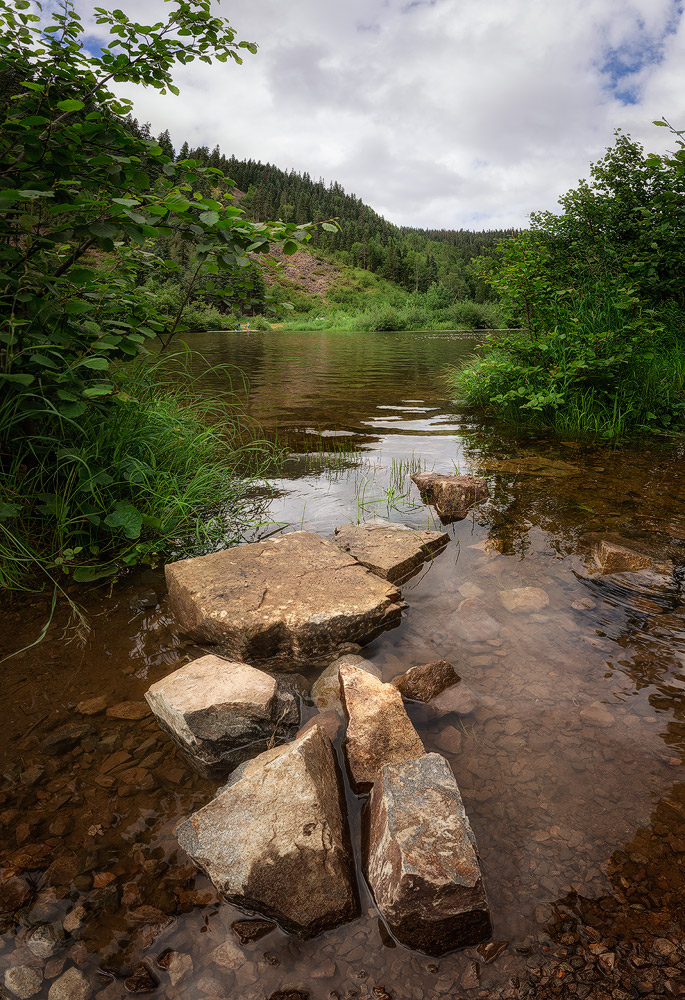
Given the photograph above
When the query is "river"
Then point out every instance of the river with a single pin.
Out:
(570, 764)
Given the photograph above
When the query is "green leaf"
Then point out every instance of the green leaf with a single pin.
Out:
(329, 227)
(97, 364)
(209, 218)
(70, 105)
(176, 202)
(8, 510)
(86, 574)
(20, 378)
(126, 517)
(104, 389)
(290, 247)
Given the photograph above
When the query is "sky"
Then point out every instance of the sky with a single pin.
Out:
(437, 113)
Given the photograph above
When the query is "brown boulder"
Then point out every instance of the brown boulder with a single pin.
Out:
(391, 551)
(452, 496)
(276, 841)
(420, 858)
(222, 712)
(288, 601)
(378, 728)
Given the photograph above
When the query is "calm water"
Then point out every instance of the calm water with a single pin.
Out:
(570, 764)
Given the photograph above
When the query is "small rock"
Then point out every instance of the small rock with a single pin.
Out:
(524, 599)
(325, 691)
(252, 930)
(228, 956)
(597, 715)
(584, 604)
(288, 994)
(470, 589)
(424, 682)
(452, 496)
(72, 985)
(491, 950)
(378, 728)
(449, 739)
(606, 962)
(74, 919)
(664, 947)
(179, 966)
(473, 622)
(65, 738)
(141, 980)
(23, 981)
(391, 551)
(222, 712)
(92, 706)
(132, 710)
(43, 941)
(329, 721)
(459, 699)
(470, 977)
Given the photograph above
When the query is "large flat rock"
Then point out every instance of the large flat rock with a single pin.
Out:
(221, 712)
(287, 601)
(452, 496)
(391, 551)
(276, 841)
(379, 730)
(420, 858)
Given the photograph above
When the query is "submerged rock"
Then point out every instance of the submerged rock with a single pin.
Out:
(222, 712)
(524, 599)
(474, 623)
(379, 730)
(424, 682)
(391, 551)
(289, 601)
(276, 841)
(22, 981)
(452, 496)
(420, 858)
(612, 553)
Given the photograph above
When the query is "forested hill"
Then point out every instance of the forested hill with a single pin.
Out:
(412, 258)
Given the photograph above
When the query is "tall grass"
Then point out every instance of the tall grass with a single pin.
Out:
(162, 470)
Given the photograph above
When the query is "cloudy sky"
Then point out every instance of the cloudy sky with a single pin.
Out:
(437, 113)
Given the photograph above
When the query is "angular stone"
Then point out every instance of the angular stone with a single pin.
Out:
(378, 728)
(72, 985)
(420, 858)
(459, 699)
(424, 682)
(130, 710)
(612, 553)
(452, 496)
(290, 601)
(326, 688)
(92, 706)
(524, 599)
(251, 930)
(391, 551)
(23, 981)
(223, 712)
(277, 842)
(329, 721)
(597, 715)
(473, 622)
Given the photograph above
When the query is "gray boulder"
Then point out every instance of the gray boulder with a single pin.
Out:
(276, 841)
(391, 551)
(287, 601)
(420, 858)
(452, 496)
(221, 712)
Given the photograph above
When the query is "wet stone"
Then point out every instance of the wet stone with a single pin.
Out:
(276, 841)
(130, 710)
(452, 496)
(474, 623)
(252, 930)
(420, 858)
(92, 706)
(329, 721)
(391, 551)
(23, 981)
(529, 599)
(227, 956)
(289, 601)
(222, 712)
(65, 738)
(141, 980)
(325, 691)
(597, 715)
(72, 985)
(379, 730)
(424, 682)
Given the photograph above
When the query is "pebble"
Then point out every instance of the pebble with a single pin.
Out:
(524, 599)
(141, 980)
(72, 985)
(23, 981)
(449, 739)
(227, 956)
(134, 710)
(597, 715)
(92, 706)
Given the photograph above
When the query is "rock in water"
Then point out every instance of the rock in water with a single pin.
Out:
(277, 842)
(524, 599)
(379, 730)
(222, 712)
(326, 688)
(473, 622)
(289, 601)
(452, 496)
(391, 551)
(420, 858)
(426, 681)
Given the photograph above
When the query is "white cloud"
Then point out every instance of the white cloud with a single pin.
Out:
(443, 113)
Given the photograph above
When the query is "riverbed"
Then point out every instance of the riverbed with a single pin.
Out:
(570, 764)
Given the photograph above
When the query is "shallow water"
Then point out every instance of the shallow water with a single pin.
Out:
(570, 765)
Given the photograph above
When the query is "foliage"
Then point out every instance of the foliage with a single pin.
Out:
(599, 289)
(83, 203)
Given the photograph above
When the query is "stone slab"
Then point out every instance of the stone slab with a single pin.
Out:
(391, 551)
(287, 601)
(420, 858)
(277, 842)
